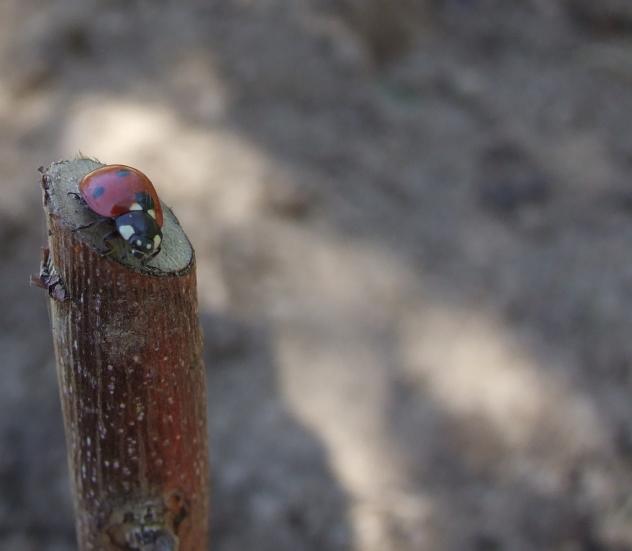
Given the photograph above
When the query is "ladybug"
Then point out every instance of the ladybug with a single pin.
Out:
(126, 196)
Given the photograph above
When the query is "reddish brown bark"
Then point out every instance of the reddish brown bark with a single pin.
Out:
(131, 378)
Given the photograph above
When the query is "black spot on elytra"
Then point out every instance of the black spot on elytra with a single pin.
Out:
(122, 173)
(98, 192)
(144, 200)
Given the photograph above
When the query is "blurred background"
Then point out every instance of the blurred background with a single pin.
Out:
(413, 224)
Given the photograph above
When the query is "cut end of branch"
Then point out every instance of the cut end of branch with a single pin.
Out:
(60, 182)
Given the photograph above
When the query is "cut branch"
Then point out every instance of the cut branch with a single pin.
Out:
(131, 378)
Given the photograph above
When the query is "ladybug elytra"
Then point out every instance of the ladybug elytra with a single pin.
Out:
(128, 197)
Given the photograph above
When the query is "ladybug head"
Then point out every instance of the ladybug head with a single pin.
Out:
(141, 232)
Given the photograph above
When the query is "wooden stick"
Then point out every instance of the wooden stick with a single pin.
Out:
(131, 378)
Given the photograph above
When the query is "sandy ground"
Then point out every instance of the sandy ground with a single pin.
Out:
(413, 227)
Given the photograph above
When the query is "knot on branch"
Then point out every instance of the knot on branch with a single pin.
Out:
(147, 525)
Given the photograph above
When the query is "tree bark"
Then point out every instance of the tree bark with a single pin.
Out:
(131, 378)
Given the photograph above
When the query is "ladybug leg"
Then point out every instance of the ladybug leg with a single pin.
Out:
(86, 226)
(108, 248)
(101, 220)
(77, 196)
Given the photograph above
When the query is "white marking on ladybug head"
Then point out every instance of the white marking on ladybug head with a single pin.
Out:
(135, 206)
(148, 246)
(157, 241)
(139, 243)
(126, 232)
(152, 213)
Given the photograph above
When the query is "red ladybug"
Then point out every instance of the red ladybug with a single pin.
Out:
(127, 196)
